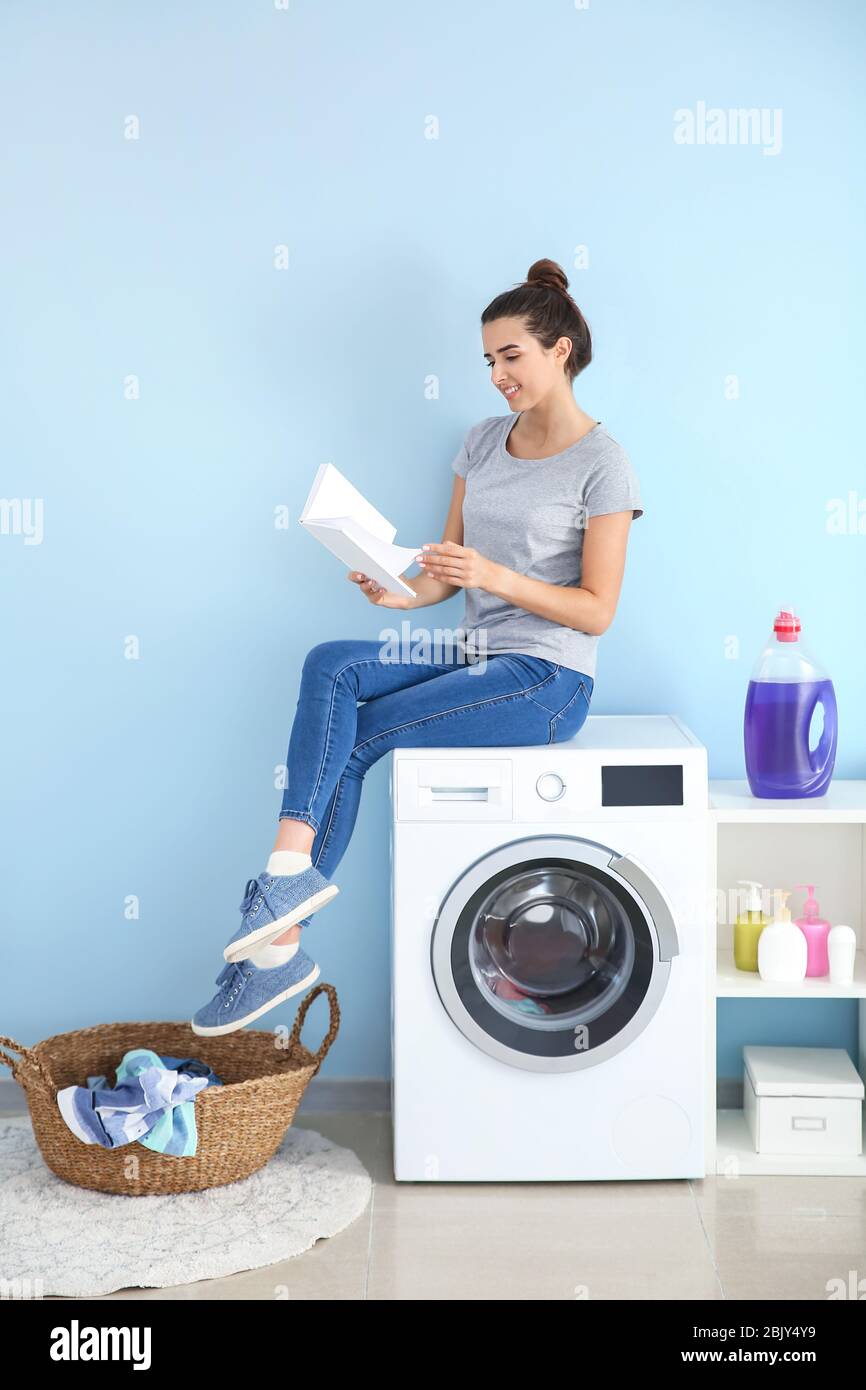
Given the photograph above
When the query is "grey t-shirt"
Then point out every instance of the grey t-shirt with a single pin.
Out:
(530, 515)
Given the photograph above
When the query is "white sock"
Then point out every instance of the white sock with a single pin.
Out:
(267, 956)
(288, 861)
(281, 863)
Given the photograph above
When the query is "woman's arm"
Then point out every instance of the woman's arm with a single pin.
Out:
(588, 608)
(427, 589)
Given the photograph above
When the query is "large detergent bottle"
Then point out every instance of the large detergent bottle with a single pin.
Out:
(785, 689)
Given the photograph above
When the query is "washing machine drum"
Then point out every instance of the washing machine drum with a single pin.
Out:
(553, 952)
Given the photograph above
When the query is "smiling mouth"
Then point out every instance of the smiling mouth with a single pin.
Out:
(510, 392)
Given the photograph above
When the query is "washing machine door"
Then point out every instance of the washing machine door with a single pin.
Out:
(553, 952)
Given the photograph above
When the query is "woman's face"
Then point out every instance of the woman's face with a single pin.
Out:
(521, 369)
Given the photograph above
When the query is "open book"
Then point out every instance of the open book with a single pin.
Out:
(351, 528)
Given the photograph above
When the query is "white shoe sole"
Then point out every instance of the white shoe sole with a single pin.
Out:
(271, 1004)
(239, 950)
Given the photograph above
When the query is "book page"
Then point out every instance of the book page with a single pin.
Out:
(332, 495)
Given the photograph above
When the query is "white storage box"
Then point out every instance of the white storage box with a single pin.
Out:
(803, 1100)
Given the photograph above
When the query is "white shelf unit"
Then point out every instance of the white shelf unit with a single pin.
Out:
(819, 840)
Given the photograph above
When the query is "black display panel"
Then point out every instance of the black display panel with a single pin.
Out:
(646, 784)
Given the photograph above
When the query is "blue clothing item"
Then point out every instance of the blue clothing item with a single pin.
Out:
(504, 699)
(273, 903)
(153, 1102)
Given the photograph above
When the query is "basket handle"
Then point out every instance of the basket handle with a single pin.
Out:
(332, 1026)
(30, 1059)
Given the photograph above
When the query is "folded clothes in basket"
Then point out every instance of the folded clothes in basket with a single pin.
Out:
(151, 1103)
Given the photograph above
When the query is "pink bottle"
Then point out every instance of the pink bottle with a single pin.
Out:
(816, 930)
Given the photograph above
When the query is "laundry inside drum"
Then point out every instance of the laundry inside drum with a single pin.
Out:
(551, 942)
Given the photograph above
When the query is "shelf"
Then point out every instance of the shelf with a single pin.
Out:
(772, 856)
(732, 983)
(734, 1142)
(844, 801)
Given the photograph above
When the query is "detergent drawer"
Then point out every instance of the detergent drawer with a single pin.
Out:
(430, 789)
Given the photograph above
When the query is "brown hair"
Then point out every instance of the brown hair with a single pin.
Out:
(549, 312)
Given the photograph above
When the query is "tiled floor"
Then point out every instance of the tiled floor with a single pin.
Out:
(723, 1238)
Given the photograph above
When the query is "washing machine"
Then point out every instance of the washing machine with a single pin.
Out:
(549, 930)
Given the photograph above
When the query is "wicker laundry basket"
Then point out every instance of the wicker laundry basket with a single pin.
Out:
(240, 1124)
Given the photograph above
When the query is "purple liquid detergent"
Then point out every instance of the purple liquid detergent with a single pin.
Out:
(784, 693)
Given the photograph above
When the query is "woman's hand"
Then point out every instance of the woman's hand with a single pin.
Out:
(383, 598)
(458, 564)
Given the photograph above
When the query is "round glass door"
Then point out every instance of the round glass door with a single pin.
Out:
(553, 952)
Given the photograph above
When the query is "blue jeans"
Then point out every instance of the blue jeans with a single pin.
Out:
(506, 699)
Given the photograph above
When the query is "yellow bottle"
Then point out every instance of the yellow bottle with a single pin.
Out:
(748, 927)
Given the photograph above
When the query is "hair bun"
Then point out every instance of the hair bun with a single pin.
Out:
(546, 274)
(546, 317)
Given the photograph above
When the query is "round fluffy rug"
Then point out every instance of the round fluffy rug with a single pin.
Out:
(67, 1240)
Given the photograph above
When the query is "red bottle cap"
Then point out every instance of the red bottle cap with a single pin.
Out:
(787, 625)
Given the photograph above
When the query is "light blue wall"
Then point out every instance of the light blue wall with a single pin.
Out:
(154, 258)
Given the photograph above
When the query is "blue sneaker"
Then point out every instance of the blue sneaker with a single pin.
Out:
(272, 903)
(246, 993)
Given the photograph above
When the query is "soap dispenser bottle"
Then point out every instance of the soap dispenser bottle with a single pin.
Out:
(748, 927)
(816, 929)
(782, 948)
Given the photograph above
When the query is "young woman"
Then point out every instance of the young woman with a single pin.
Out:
(536, 535)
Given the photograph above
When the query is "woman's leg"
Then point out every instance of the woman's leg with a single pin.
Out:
(510, 700)
(335, 676)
